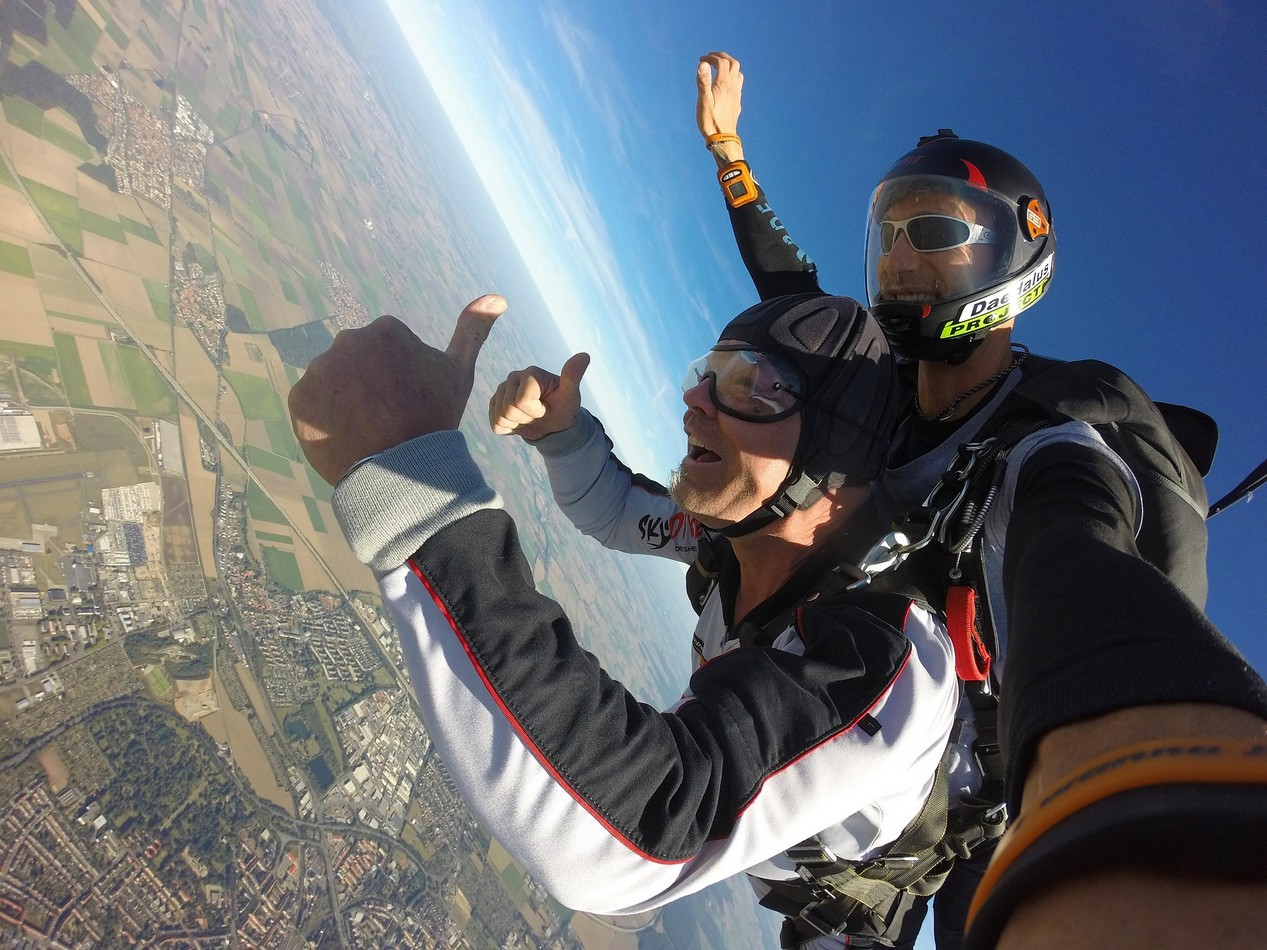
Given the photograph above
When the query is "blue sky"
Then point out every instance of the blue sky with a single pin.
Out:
(1143, 119)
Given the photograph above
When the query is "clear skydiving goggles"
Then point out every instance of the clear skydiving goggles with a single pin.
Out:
(748, 384)
(935, 232)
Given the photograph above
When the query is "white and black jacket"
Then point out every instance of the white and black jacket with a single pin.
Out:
(836, 728)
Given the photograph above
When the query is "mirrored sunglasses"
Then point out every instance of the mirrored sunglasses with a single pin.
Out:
(935, 232)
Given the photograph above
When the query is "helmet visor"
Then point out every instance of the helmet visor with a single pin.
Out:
(931, 238)
(748, 384)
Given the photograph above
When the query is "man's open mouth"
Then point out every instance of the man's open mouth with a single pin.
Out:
(696, 451)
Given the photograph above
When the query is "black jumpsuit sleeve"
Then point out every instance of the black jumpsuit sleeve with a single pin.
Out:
(775, 263)
(1092, 627)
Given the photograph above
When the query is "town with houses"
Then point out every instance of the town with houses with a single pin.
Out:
(74, 872)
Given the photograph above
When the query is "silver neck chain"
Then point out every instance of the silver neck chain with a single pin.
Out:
(948, 413)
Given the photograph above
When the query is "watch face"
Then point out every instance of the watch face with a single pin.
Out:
(737, 185)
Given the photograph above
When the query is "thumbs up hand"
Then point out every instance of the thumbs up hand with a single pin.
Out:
(379, 386)
(534, 402)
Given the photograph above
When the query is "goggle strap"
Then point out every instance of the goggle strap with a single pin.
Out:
(797, 495)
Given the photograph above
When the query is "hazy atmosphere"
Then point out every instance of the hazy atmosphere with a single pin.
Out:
(206, 730)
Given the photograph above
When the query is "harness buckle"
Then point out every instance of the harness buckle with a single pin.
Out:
(887, 553)
(820, 921)
(894, 861)
(811, 853)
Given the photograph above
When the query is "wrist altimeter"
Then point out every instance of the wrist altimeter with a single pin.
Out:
(737, 184)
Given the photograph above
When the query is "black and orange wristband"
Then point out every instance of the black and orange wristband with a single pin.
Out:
(1188, 805)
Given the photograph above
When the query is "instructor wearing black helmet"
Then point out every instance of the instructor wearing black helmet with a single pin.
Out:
(1082, 556)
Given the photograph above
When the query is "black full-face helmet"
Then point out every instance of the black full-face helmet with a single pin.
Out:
(955, 196)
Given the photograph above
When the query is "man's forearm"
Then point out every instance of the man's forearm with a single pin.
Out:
(1092, 627)
(620, 509)
(777, 266)
(1135, 734)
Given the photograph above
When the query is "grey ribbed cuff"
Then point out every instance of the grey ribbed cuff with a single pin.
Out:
(389, 505)
(570, 439)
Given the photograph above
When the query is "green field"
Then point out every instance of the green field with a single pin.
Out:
(60, 210)
(260, 508)
(80, 318)
(320, 487)
(262, 458)
(159, 683)
(139, 229)
(206, 260)
(283, 568)
(513, 878)
(29, 118)
(261, 178)
(314, 514)
(30, 351)
(68, 142)
(72, 369)
(40, 360)
(316, 300)
(153, 47)
(288, 291)
(14, 259)
(282, 438)
(103, 226)
(297, 205)
(259, 402)
(24, 115)
(117, 34)
(226, 249)
(275, 538)
(84, 31)
(229, 119)
(252, 309)
(149, 389)
(96, 433)
(160, 299)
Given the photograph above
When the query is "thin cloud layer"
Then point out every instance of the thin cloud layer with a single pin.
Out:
(550, 213)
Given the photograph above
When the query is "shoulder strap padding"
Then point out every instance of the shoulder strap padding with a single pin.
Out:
(1169, 449)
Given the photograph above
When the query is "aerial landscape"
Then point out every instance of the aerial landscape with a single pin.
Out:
(207, 737)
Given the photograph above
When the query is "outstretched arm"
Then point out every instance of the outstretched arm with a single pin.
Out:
(1135, 736)
(774, 261)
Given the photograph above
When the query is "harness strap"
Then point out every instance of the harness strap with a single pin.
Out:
(860, 895)
(905, 862)
(987, 749)
(837, 896)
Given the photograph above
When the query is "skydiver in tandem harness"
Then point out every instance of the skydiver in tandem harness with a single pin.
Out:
(1003, 455)
(816, 713)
